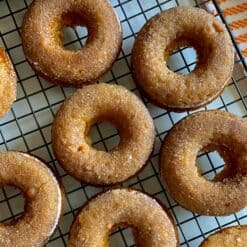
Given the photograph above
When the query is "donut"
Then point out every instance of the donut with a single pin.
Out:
(7, 83)
(207, 131)
(43, 27)
(152, 226)
(94, 104)
(43, 200)
(165, 32)
(235, 236)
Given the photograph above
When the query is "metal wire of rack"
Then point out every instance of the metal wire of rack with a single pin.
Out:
(27, 126)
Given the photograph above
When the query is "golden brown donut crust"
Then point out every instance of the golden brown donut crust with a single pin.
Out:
(167, 31)
(7, 83)
(152, 226)
(207, 130)
(93, 104)
(235, 236)
(43, 27)
(43, 205)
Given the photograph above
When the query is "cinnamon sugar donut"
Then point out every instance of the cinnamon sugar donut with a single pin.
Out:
(43, 197)
(235, 236)
(93, 104)
(43, 27)
(152, 226)
(175, 28)
(207, 131)
(7, 83)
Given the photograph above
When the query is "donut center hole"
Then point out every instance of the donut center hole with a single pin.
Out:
(121, 236)
(210, 164)
(182, 60)
(217, 162)
(11, 204)
(104, 136)
(75, 38)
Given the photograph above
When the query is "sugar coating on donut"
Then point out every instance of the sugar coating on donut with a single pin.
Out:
(93, 104)
(43, 200)
(7, 83)
(151, 224)
(210, 131)
(165, 32)
(235, 236)
(43, 27)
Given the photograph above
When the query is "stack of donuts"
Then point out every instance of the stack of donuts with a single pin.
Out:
(91, 103)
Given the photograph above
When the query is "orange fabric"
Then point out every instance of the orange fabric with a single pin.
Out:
(244, 52)
(238, 24)
(235, 9)
(221, 1)
(235, 14)
(242, 38)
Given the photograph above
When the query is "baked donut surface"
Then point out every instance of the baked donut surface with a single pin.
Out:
(152, 226)
(43, 27)
(7, 83)
(43, 200)
(207, 131)
(165, 32)
(94, 104)
(235, 236)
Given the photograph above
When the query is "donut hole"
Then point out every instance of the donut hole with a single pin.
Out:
(120, 236)
(214, 163)
(103, 136)
(210, 164)
(182, 60)
(75, 31)
(12, 204)
(75, 38)
(188, 52)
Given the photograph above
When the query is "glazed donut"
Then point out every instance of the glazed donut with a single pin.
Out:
(152, 226)
(228, 237)
(93, 104)
(7, 83)
(166, 32)
(43, 205)
(43, 27)
(207, 131)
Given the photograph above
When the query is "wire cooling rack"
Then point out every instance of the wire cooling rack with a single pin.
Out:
(27, 126)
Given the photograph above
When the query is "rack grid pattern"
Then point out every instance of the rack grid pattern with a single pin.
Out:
(27, 126)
